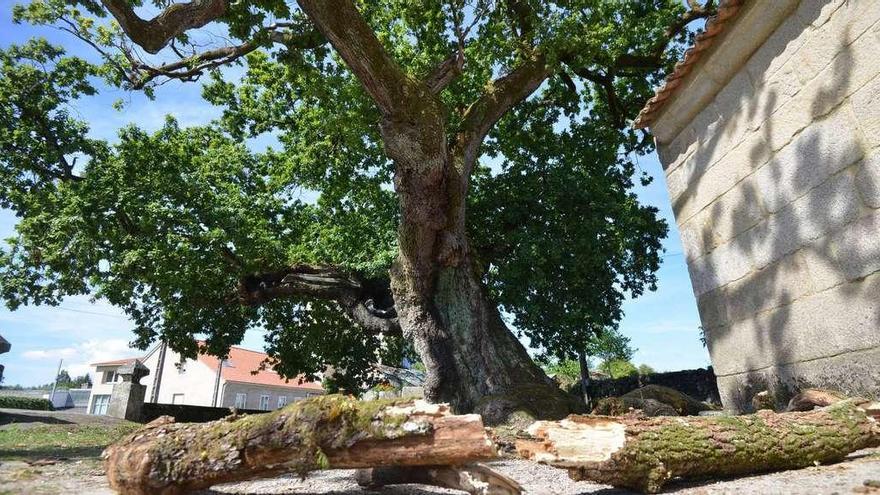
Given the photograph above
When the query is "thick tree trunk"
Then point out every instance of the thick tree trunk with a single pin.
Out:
(473, 361)
(494, 374)
(583, 365)
(645, 453)
(319, 433)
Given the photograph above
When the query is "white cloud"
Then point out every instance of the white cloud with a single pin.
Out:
(64, 352)
(77, 359)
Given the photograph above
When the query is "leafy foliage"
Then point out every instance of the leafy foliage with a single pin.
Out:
(618, 368)
(644, 369)
(166, 225)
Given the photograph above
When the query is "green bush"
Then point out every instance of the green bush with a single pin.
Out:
(12, 402)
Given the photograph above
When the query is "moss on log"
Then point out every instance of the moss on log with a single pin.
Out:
(329, 431)
(643, 454)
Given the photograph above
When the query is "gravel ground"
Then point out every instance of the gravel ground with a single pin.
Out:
(845, 477)
(85, 476)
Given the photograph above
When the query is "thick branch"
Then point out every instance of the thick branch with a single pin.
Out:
(176, 19)
(356, 43)
(357, 296)
(192, 67)
(445, 72)
(499, 97)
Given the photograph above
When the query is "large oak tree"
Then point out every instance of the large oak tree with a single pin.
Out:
(464, 155)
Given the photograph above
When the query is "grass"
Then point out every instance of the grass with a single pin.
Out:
(57, 441)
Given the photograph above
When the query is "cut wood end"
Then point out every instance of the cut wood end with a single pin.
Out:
(572, 441)
(872, 409)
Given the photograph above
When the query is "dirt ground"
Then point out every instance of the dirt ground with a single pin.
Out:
(860, 473)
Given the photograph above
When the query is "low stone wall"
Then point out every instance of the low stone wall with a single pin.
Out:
(699, 384)
(188, 414)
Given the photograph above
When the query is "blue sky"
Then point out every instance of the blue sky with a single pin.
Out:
(663, 325)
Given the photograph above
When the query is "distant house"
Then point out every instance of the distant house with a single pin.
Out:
(205, 381)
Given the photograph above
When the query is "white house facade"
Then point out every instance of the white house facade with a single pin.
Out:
(236, 381)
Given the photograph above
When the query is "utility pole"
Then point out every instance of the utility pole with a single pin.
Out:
(55, 383)
(217, 382)
(160, 367)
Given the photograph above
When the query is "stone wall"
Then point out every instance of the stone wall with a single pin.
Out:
(775, 184)
(187, 414)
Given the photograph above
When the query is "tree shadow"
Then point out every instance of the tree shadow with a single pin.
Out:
(7, 418)
(773, 253)
(53, 452)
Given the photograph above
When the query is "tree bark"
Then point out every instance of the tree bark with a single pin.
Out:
(643, 454)
(583, 365)
(472, 359)
(167, 458)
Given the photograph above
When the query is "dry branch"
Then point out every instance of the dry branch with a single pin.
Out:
(320, 433)
(644, 454)
(473, 479)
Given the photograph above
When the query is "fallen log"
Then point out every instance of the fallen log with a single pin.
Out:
(643, 454)
(324, 432)
(811, 398)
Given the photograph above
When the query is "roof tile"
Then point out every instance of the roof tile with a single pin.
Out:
(727, 10)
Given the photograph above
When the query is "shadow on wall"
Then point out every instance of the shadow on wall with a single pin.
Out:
(798, 278)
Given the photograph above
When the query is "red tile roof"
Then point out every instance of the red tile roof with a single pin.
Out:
(242, 362)
(715, 25)
(116, 362)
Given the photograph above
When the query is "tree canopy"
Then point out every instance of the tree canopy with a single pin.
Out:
(191, 231)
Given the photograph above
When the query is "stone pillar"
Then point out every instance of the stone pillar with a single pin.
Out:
(127, 398)
(4, 347)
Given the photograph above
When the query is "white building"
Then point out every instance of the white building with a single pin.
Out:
(769, 136)
(203, 381)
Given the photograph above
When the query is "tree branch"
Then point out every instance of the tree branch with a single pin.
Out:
(192, 67)
(356, 43)
(445, 72)
(176, 19)
(606, 82)
(499, 97)
(356, 295)
(654, 58)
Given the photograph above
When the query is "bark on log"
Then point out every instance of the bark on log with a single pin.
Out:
(644, 454)
(810, 398)
(319, 433)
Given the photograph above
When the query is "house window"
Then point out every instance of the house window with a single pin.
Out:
(100, 405)
(264, 403)
(177, 399)
(109, 377)
(241, 401)
(282, 401)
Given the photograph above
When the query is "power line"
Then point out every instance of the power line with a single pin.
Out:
(671, 254)
(91, 312)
